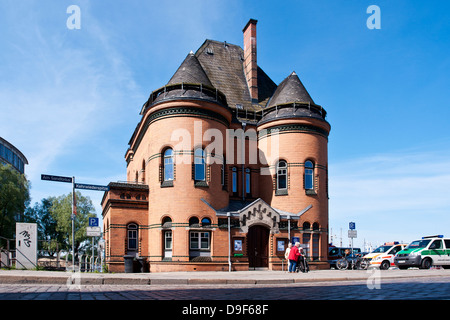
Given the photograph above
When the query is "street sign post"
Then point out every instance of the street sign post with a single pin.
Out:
(96, 232)
(352, 233)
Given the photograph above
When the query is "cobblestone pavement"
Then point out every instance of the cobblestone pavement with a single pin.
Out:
(401, 289)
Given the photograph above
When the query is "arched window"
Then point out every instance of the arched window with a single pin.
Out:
(168, 165)
(315, 226)
(199, 165)
(193, 222)
(306, 226)
(206, 222)
(309, 175)
(132, 237)
(167, 222)
(282, 175)
(167, 237)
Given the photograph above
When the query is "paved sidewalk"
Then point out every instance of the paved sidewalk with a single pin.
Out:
(208, 278)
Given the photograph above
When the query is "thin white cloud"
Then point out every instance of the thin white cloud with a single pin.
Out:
(402, 195)
(59, 93)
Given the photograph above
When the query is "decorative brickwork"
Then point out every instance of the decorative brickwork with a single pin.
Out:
(174, 212)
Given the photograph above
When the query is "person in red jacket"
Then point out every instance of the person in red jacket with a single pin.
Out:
(294, 254)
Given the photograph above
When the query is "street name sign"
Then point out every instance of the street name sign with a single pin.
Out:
(56, 178)
(91, 187)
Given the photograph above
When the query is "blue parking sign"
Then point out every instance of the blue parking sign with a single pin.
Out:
(352, 226)
(93, 222)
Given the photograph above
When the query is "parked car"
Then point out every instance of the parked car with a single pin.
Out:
(336, 253)
(423, 253)
(383, 256)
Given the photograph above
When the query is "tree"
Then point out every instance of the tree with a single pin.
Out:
(14, 198)
(61, 211)
(46, 225)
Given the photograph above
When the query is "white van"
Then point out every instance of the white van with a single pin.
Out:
(383, 256)
(432, 250)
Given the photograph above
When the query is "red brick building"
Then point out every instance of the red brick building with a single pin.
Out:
(224, 169)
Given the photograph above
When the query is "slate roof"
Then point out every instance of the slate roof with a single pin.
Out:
(290, 89)
(190, 71)
(215, 72)
(223, 63)
(291, 100)
(188, 82)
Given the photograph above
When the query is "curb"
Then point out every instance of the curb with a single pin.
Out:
(67, 278)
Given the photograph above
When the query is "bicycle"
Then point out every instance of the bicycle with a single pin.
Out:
(352, 262)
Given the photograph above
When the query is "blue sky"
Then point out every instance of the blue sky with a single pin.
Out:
(70, 99)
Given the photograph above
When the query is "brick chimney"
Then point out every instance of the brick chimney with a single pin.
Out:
(250, 66)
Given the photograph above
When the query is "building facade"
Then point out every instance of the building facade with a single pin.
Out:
(224, 169)
(9, 154)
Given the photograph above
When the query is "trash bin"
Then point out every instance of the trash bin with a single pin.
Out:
(140, 265)
(128, 261)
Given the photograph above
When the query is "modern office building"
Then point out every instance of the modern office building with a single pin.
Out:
(9, 154)
(224, 169)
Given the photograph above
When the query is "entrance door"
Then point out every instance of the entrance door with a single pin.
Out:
(258, 247)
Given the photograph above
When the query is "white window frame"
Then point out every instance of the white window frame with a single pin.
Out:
(199, 236)
(281, 171)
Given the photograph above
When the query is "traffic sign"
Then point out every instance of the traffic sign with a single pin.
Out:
(352, 226)
(91, 187)
(55, 178)
(93, 222)
(93, 231)
(352, 234)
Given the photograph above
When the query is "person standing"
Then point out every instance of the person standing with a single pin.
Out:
(303, 265)
(286, 255)
(294, 254)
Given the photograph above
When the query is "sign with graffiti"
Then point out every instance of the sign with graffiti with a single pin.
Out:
(26, 245)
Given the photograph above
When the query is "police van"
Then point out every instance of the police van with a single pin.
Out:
(383, 256)
(424, 253)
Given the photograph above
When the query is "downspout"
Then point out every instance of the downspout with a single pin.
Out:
(289, 227)
(229, 241)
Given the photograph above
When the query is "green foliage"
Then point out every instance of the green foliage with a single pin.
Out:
(46, 225)
(14, 198)
(61, 211)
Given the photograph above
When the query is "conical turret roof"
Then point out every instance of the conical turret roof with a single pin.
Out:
(291, 100)
(190, 71)
(290, 90)
(188, 82)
